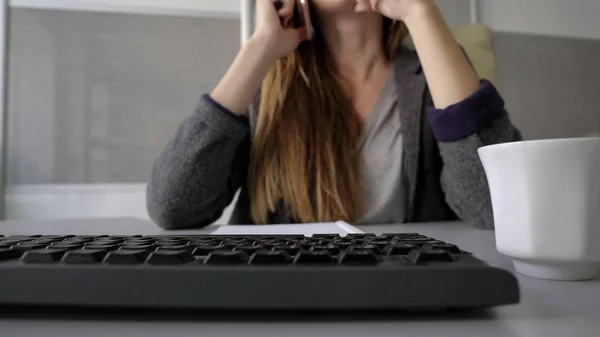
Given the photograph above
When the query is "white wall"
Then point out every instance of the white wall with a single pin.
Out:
(567, 18)
(207, 8)
(456, 12)
(38, 202)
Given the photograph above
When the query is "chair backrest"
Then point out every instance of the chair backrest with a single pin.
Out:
(476, 41)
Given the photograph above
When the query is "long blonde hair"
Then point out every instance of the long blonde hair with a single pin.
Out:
(305, 155)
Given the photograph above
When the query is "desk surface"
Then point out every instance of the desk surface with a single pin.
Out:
(548, 308)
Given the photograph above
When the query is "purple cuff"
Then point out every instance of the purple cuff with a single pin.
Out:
(241, 119)
(467, 117)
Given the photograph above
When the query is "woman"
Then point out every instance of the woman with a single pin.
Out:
(347, 126)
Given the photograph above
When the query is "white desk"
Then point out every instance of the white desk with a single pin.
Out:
(547, 309)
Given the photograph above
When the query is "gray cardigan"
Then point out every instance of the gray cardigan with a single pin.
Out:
(202, 167)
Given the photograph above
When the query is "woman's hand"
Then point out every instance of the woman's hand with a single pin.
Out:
(450, 76)
(394, 9)
(272, 28)
(272, 40)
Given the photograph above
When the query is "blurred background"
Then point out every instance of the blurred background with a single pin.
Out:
(95, 88)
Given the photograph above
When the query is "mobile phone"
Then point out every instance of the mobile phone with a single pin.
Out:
(301, 16)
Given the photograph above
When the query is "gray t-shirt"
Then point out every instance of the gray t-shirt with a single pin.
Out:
(381, 146)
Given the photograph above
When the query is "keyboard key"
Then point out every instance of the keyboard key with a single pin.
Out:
(43, 255)
(452, 249)
(100, 247)
(270, 257)
(170, 257)
(204, 250)
(106, 242)
(360, 235)
(380, 245)
(84, 238)
(359, 257)
(379, 242)
(321, 257)
(171, 243)
(268, 245)
(229, 245)
(343, 245)
(126, 256)
(304, 244)
(332, 249)
(368, 246)
(399, 249)
(84, 256)
(364, 247)
(176, 247)
(22, 237)
(9, 254)
(222, 257)
(210, 242)
(326, 236)
(64, 245)
(56, 237)
(25, 246)
(290, 249)
(124, 237)
(136, 246)
(43, 241)
(13, 242)
(72, 242)
(238, 241)
(424, 256)
(418, 241)
(391, 235)
(143, 241)
(249, 249)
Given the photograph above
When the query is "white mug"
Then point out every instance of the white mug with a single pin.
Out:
(546, 201)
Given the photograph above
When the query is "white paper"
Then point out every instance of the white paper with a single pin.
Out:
(339, 227)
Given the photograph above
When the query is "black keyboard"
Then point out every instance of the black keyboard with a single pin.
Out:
(330, 272)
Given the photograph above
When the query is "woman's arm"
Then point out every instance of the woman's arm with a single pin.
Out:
(463, 177)
(198, 173)
(202, 167)
(238, 88)
(464, 111)
(271, 41)
(450, 76)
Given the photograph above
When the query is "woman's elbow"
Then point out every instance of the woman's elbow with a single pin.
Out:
(170, 213)
(170, 217)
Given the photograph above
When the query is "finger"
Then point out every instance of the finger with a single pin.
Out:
(375, 5)
(287, 8)
(362, 6)
(297, 35)
(266, 11)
